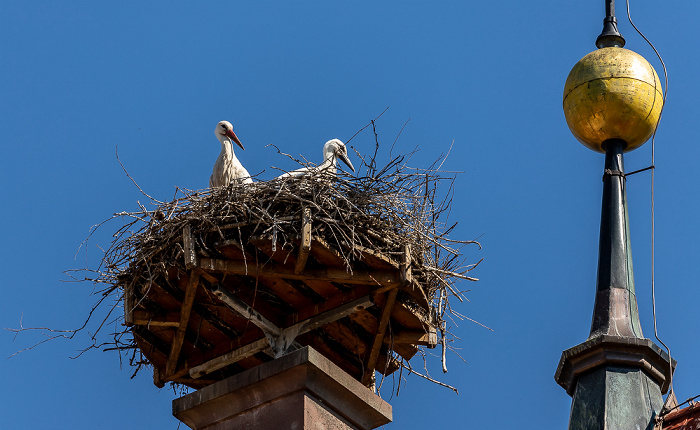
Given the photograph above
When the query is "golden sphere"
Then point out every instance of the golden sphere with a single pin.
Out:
(612, 93)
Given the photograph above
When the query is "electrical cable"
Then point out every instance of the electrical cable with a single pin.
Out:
(653, 167)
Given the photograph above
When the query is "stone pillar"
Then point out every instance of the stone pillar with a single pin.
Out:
(299, 391)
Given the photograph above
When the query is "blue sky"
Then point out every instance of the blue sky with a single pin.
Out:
(154, 78)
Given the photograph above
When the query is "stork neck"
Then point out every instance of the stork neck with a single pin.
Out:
(226, 142)
(329, 164)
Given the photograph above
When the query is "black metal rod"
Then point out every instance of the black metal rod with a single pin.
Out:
(610, 8)
(610, 37)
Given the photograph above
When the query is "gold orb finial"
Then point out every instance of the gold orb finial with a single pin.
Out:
(612, 93)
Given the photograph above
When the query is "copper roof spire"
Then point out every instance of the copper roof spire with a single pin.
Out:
(612, 101)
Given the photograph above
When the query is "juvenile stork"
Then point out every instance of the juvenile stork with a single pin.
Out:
(227, 168)
(333, 150)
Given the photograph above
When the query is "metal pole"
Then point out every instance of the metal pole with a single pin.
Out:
(610, 36)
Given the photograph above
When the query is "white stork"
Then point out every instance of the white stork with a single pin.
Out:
(333, 150)
(227, 168)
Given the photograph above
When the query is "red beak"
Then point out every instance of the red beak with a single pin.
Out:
(233, 137)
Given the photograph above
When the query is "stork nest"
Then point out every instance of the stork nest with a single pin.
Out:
(386, 210)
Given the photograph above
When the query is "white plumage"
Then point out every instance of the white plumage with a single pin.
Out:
(227, 168)
(333, 150)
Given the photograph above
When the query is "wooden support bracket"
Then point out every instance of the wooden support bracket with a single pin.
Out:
(281, 342)
(305, 245)
(242, 309)
(371, 361)
(185, 311)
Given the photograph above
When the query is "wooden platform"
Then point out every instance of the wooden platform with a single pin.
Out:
(233, 306)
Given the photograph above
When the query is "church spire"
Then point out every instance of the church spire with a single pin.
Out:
(612, 102)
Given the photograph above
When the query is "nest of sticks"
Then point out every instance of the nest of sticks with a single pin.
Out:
(387, 211)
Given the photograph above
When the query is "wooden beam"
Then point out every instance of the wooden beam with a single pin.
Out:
(287, 335)
(278, 252)
(188, 246)
(177, 375)
(326, 255)
(371, 362)
(415, 337)
(241, 308)
(375, 278)
(286, 292)
(406, 271)
(229, 358)
(332, 315)
(148, 318)
(194, 383)
(331, 303)
(184, 319)
(157, 381)
(374, 259)
(129, 304)
(305, 245)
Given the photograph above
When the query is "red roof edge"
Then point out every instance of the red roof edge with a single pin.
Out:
(683, 419)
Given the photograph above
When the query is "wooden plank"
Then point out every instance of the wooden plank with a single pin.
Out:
(188, 246)
(286, 292)
(148, 318)
(241, 308)
(375, 259)
(415, 337)
(233, 250)
(405, 350)
(375, 278)
(414, 290)
(325, 254)
(371, 360)
(129, 304)
(343, 338)
(195, 383)
(331, 348)
(305, 245)
(157, 381)
(279, 253)
(410, 318)
(324, 288)
(184, 319)
(406, 271)
(332, 315)
(386, 365)
(332, 303)
(229, 358)
(177, 375)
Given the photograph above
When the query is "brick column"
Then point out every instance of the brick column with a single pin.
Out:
(299, 391)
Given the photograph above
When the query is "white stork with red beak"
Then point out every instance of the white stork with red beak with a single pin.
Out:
(227, 168)
(333, 150)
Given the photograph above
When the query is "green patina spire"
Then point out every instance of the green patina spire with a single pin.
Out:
(616, 376)
(612, 104)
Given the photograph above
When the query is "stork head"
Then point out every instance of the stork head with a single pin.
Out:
(224, 129)
(337, 149)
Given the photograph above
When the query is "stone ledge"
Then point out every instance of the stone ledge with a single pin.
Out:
(613, 350)
(295, 387)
